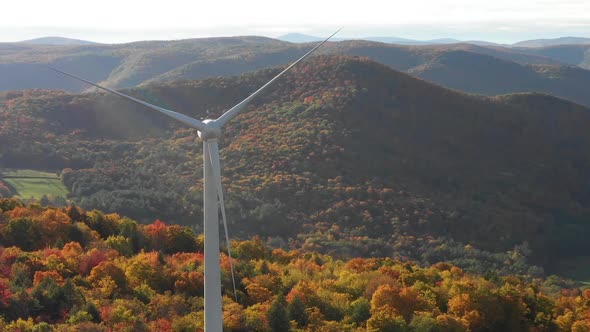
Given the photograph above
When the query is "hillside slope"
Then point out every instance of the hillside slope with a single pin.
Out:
(577, 55)
(340, 142)
(488, 75)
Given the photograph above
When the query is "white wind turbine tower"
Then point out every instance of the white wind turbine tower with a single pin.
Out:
(209, 131)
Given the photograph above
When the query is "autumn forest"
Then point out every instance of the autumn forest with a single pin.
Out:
(355, 204)
(89, 271)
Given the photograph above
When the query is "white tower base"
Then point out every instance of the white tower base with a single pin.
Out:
(213, 313)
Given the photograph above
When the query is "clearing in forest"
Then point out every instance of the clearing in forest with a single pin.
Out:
(26, 183)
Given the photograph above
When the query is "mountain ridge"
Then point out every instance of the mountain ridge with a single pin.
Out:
(552, 42)
(531, 43)
(148, 62)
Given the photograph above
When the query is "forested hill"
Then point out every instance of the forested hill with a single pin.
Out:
(488, 70)
(391, 164)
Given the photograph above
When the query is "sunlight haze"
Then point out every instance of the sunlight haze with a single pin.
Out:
(122, 21)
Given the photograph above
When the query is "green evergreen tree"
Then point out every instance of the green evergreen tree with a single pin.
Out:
(128, 229)
(74, 213)
(422, 323)
(296, 311)
(90, 308)
(276, 316)
(23, 233)
(44, 201)
(360, 310)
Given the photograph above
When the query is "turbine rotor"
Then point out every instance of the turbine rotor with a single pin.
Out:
(211, 130)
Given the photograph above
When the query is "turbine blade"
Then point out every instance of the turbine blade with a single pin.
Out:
(177, 116)
(214, 155)
(237, 109)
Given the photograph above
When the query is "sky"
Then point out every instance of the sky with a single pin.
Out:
(117, 21)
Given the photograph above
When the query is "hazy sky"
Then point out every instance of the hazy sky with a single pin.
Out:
(128, 20)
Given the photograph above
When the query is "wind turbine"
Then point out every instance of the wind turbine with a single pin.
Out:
(209, 131)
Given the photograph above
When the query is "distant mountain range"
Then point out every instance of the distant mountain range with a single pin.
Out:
(303, 38)
(553, 42)
(488, 75)
(488, 70)
(57, 41)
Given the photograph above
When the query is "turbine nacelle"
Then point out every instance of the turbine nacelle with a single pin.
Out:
(211, 130)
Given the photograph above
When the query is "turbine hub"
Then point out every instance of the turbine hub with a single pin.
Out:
(212, 130)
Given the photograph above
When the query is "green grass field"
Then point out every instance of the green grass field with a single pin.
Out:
(29, 183)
